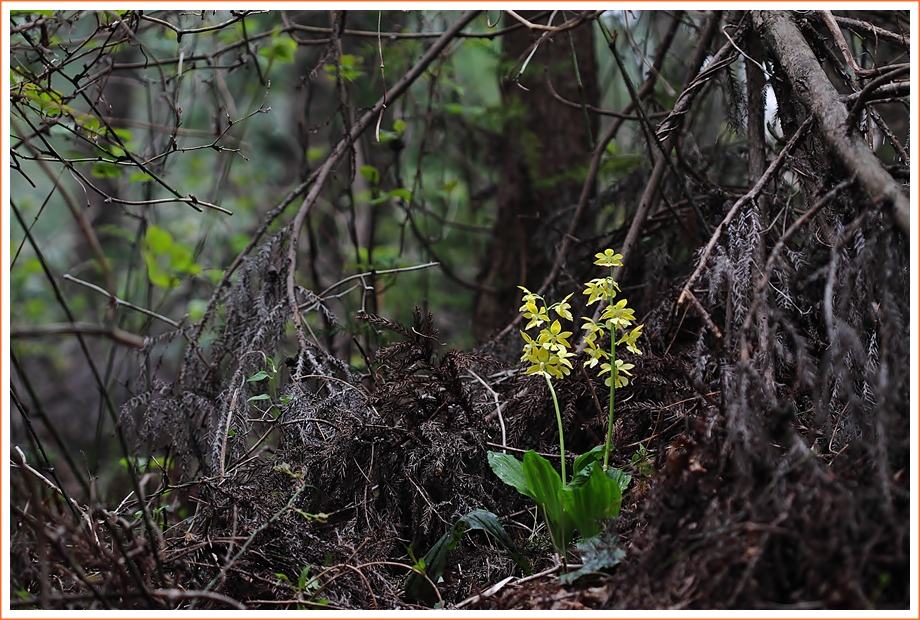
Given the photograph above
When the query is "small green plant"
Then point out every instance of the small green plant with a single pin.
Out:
(594, 493)
(270, 372)
(305, 587)
(435, 561)
(641, 461)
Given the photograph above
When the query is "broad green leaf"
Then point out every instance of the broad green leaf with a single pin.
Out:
(510, 471)
(88, 122)
(259, 376)
(181, 260)
(399, 125)
(620, 477)
(547, 490)
(488, 522)
(581, 476)
(594, 502)
(258, 397)
(594, 455)
(156, 275)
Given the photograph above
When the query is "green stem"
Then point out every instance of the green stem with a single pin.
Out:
(559, 422)
(613, 382)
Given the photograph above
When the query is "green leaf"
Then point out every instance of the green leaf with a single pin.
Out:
(399, 125)
(88, 122)
(259, 376)
(156, 275)
(620, 477)
(434, 562)
(32, 12)
(140, 176)
(302, 581)
(105, 170)
(400, 192)
(124, 135)
(280, 48)
(594, 502)
(181, 260)
(158, 240)
(547, 489)
(488, 522)
(596, 555)
(510, 471)
(371, 174)
(258, 397)
(594, 455)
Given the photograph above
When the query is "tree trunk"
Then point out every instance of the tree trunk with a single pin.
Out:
(544, 143)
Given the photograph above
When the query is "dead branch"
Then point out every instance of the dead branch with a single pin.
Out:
(813, 88)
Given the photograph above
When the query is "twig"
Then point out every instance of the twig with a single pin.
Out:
(870, 29)
(498, 408)
(485, 593)
(867, 91)
(572, 23)
(121, 302)
(180, 32)
(78, 214)
(750, 196)
(362, 275)
(654, 139)
(53, 329)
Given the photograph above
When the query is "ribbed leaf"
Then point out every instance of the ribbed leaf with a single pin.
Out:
(510, 471)
(547, 490)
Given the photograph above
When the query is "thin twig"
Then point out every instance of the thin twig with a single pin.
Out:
(55, 329)
(121, 302)
(498, 408)
(572, 23)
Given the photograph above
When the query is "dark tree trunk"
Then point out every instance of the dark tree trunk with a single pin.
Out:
(544, 144)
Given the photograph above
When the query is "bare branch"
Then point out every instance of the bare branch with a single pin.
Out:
(112, 333)
(813, 88)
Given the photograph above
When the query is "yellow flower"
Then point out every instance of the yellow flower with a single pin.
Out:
(621, 371)
(630, 339)
(608, 259)
(562, 308)
(618, 315)
(555, 337)
(600, 288)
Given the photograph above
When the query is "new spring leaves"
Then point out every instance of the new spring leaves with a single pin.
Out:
(550, 351)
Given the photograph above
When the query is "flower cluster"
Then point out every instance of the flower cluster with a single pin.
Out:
(615, 316)
(549, 353)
